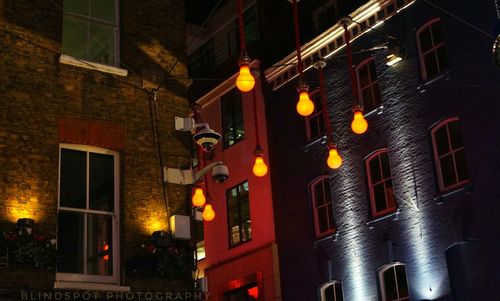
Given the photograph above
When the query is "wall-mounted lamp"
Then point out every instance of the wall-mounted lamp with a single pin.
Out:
(394, 55)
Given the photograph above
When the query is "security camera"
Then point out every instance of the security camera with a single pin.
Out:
(220, 173)
(207, 138)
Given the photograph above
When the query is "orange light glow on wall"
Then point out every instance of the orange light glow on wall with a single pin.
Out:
(359, 124)
(259, 167)
(24, 207)
(245, 80)
(198, 197)
(208, 213)
(334, 160)
(253, 292)
(305, 106)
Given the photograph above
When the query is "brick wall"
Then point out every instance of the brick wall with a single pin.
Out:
(419, 237)
(37, 91)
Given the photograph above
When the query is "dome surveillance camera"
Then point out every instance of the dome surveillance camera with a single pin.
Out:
(220, 173)
(207, 138)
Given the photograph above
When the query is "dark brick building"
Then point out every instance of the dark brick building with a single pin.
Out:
(78, 150)
(413, 210)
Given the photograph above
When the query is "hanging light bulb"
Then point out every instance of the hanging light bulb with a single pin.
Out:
(198, 197)
(208, 213)
(334, 160)
(305, 106)
(245, 80)
(259, 167)
(359, 124)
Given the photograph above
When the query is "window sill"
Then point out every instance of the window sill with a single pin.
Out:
(465, 188)
(428, 82)
(377, 111)
(91, 286)
(239, 244)
(69, 60)
(331, 237)
(394, 215)
(321, 140)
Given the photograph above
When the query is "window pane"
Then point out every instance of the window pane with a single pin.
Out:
(102, 182)
(373, 73)
(425, 39)
(70, 231)
(379, 194)
(375, 170)
(431, 64)
(319, 194)
(461, 166)
(329, 293)
(390, 285)
(331, 221)
(436, 33)
(103, 9)
(363, 76)
(74, 41)
(99, 244)
(384, 161)
(455, 135)
(327, 191)
(441, 140)
(322, 219)
(441, 57)
(232, 117)
(402, 282)
(339, 296)
(101, 44)
(389, 194)
(368, 101)
(73, 179)
(448, 170)
(80, 7)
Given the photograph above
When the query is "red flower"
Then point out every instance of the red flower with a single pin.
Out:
(10, 236)
(39, 237)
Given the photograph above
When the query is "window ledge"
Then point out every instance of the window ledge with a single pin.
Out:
(69, 60)
(377, 111)
(91, 286)
(331, 237)
(466, 188)
(394, 215)
(322, 140)
(423, 87)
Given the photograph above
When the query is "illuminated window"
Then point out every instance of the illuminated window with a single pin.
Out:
(233, 129)
(368, 89)
(331, 291)
(90, 30)
(238, 214)
(200, 240)
(431, 49)
(315, 125)
(321, 196)
(246, 293)
(449, 154)
(393, 282)
(380, 183)
(87, 237)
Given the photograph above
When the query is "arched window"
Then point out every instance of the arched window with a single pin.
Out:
(449, 154)
(331, 291)
(431, 49)
(368, 89)
(393, 282)
(321, 197)
(378, 173)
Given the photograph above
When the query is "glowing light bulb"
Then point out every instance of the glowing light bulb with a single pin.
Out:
(359, 124)
(208, 213)
(245, 80)
(260, 167)
(305, 106)
(334, 159)
(198, 197)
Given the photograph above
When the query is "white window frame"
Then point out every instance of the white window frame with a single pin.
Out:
(368, 63)
(322, 290)
(81, 62)
(312, 193)
(381, 272)
(433, 49)
(79, 278)
(373, 206)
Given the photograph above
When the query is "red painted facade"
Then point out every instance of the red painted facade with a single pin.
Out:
(257, 258)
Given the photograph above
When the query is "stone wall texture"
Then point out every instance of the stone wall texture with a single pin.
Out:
(37, 91)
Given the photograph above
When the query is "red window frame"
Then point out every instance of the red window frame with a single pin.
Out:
(386, 181)
(433, 50)
(315, 120)
(327, 203)
(453, 151)
(370, 86)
